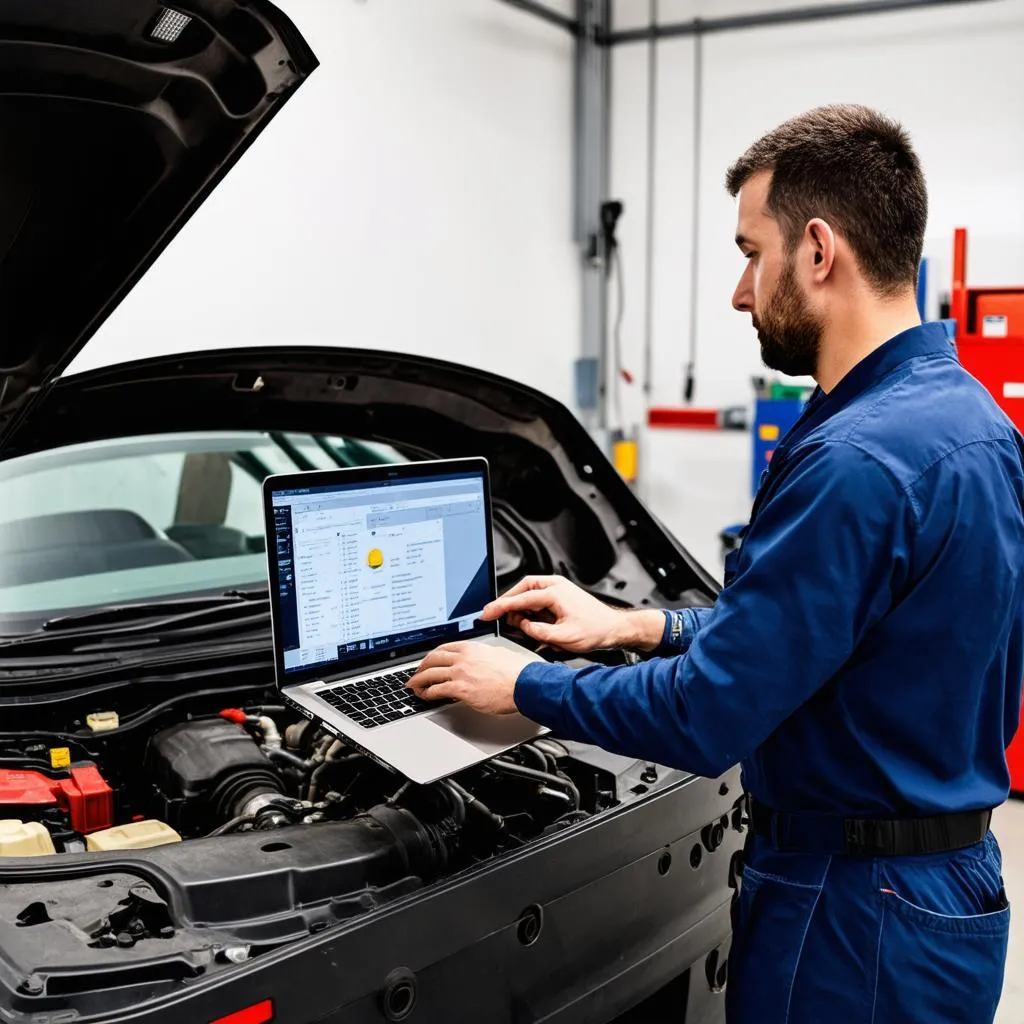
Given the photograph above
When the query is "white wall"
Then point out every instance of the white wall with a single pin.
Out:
(415, 194)
(954, 76)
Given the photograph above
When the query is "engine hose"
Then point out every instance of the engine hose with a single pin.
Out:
(540, 762)
(397, 795)
(287, 757)
(314, 780)
(232, 825)
(551, 747)
(458, 798)
(558, 781)
(472, 803)
(271, 736)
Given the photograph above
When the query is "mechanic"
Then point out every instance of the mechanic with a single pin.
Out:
(864, 659)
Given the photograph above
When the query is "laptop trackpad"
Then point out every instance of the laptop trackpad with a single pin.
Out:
(489, 733)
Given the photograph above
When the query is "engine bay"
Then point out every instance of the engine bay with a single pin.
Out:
(260, 769)
(290, 828)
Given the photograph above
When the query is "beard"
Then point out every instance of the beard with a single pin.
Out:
(789, 332)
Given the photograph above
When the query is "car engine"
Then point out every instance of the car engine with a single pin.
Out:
(243, 770)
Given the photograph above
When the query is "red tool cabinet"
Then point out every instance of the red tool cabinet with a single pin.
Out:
(990, 344)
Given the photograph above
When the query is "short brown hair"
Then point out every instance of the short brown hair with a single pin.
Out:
(856, 169)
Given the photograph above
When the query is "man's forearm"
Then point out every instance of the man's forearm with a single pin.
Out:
(642, 629)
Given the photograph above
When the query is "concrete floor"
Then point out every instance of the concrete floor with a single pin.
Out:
(1009, 830)
(697, 483)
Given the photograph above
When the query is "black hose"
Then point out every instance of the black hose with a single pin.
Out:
(552, 747)
(472, 803)
(559, 781)
(540, 762)
(459, 799)
(232, 825)
(287, 757)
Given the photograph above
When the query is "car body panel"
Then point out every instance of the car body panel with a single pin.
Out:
(112, 139)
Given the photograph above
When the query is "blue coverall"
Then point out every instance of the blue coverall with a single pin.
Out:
(864, 659)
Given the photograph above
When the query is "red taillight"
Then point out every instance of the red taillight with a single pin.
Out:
(258, 1013)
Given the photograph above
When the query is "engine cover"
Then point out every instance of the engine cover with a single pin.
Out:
(82, 792)
(206, 771)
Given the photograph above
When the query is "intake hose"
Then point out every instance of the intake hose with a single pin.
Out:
(545, 778)
(317, 863)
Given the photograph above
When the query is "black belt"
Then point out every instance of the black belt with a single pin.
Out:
(867, 837)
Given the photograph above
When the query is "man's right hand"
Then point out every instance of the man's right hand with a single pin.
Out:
(555, 612)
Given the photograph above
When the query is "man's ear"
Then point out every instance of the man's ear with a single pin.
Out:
(821, 242)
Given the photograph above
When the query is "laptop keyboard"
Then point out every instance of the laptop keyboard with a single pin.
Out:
(377, 701)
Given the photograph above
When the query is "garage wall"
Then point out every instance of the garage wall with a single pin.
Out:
(953, 76)
(415, 194)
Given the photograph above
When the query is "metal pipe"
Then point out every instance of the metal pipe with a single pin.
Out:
(553, 17)
(795, 15)
(698, 110)
(545, 778)
(652, 121)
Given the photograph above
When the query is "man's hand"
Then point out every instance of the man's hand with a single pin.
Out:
(575, 621)
(479, 675)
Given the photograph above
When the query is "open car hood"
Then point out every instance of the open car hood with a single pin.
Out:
(118, 117)
(546, 470)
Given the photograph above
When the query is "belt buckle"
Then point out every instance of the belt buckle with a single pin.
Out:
(867, 837)
(854, 835)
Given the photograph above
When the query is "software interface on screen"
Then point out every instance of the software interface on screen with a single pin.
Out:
(365, 568)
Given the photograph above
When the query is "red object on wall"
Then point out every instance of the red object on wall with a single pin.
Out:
(85, 795)
(684, 417)
(996, 359)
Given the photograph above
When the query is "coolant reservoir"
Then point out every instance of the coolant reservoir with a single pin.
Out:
(103, 721)
(136, 835)
(24, 839)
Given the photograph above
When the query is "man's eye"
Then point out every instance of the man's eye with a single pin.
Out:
(749, 255)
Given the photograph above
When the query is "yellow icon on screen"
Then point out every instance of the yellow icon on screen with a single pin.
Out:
(375, 559)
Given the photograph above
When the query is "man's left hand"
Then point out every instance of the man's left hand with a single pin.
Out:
(479, 675)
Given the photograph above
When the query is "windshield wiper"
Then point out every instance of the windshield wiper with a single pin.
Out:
(125, 628)
(113, 614)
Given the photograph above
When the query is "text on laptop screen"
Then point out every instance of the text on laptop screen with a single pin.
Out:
(367, 568)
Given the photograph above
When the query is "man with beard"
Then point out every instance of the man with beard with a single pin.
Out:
(864, 660)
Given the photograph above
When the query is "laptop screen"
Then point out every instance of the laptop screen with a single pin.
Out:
(366, 568)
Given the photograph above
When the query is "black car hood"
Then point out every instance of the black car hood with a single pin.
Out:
(545, 468)
(118, 117)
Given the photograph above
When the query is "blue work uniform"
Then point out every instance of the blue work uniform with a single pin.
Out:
(864, 659)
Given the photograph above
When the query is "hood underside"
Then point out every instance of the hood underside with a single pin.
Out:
(118, 118)
(544, 465)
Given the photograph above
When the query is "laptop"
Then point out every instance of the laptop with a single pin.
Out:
(370, 568)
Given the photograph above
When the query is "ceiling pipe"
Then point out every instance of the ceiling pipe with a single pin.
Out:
(553, 17)
(796, 15)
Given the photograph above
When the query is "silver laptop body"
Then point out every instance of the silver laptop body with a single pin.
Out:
(370, 568)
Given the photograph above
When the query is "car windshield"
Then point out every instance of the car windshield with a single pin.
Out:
(147, 517)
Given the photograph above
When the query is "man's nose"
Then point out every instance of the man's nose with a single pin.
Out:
(743, 297)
